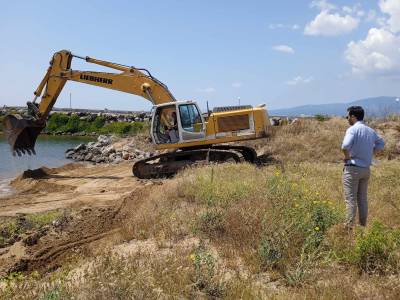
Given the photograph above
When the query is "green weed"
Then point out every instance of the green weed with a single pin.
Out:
(205, 279)
(377, 249)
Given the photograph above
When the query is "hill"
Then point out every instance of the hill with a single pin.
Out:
(375, 107)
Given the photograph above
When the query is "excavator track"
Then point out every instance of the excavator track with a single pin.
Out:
(168, 164)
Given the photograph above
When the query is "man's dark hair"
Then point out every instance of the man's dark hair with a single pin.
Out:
(356, 111)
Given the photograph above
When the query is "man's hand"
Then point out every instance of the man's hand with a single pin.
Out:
(378, 152)
(346, 154)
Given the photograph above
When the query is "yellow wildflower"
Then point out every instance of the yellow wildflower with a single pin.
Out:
(192, 256)
(316, 228)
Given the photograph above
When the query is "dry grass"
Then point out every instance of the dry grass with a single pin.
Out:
(304, 141)
(262, 233)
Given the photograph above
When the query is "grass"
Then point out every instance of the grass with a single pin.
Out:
(262, 233)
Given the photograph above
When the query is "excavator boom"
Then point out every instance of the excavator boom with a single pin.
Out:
(22, 132)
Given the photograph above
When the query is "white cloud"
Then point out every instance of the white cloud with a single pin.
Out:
(354, 10)
(299, 80)
(323, 5)
(392, 8)
(237, 85)
(347, 9)
(283, 26)
(331, 24)
(207, 90)
(284, 49)
(360, 13)
(333, 21)
(378, 53)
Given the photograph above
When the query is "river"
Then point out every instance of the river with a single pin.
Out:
(49, 152)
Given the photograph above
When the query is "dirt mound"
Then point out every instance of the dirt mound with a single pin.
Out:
(43, 187)
(36, 173)
(44, 172)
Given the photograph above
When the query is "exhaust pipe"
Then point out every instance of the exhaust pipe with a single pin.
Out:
(22, 133)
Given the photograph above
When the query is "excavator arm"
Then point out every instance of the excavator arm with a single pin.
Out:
(22, 132)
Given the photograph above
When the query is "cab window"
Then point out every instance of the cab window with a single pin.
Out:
(190, 118)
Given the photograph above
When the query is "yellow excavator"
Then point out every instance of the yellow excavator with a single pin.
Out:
(175, 125)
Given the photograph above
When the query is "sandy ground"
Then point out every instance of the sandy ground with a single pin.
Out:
(73, 185)
(96, 199)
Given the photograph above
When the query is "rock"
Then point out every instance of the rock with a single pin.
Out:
(90, 145)
(69, 153)
(80, 147)
(96, 151)
(104, 140)
(99, 159)
(108, 150)
(88, 157)
(117, 160)
(125, 155)
(139, 152)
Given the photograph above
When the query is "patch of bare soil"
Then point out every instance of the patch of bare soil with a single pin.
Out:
(96, 201)
(78, 234)
(74, 185)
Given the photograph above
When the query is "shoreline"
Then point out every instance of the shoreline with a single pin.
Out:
(6, 189)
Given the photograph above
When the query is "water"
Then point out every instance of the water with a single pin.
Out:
(50, 152)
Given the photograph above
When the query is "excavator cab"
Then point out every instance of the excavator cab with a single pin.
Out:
(177, 122)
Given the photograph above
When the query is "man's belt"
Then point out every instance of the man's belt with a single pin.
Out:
(350, 165)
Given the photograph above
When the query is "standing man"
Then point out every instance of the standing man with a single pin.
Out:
(359, 145)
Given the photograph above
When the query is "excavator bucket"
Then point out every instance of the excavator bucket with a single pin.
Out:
(21, 133)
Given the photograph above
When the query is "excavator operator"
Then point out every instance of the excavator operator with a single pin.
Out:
(173, 130)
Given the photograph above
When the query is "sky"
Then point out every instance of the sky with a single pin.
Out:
(281, 53)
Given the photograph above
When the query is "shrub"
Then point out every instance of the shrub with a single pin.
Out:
(97, 124)
(118, 128)
(321, 118)
(56, 121)
(211, 222)
(270, 252)
(377, 249)
(59, 122)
